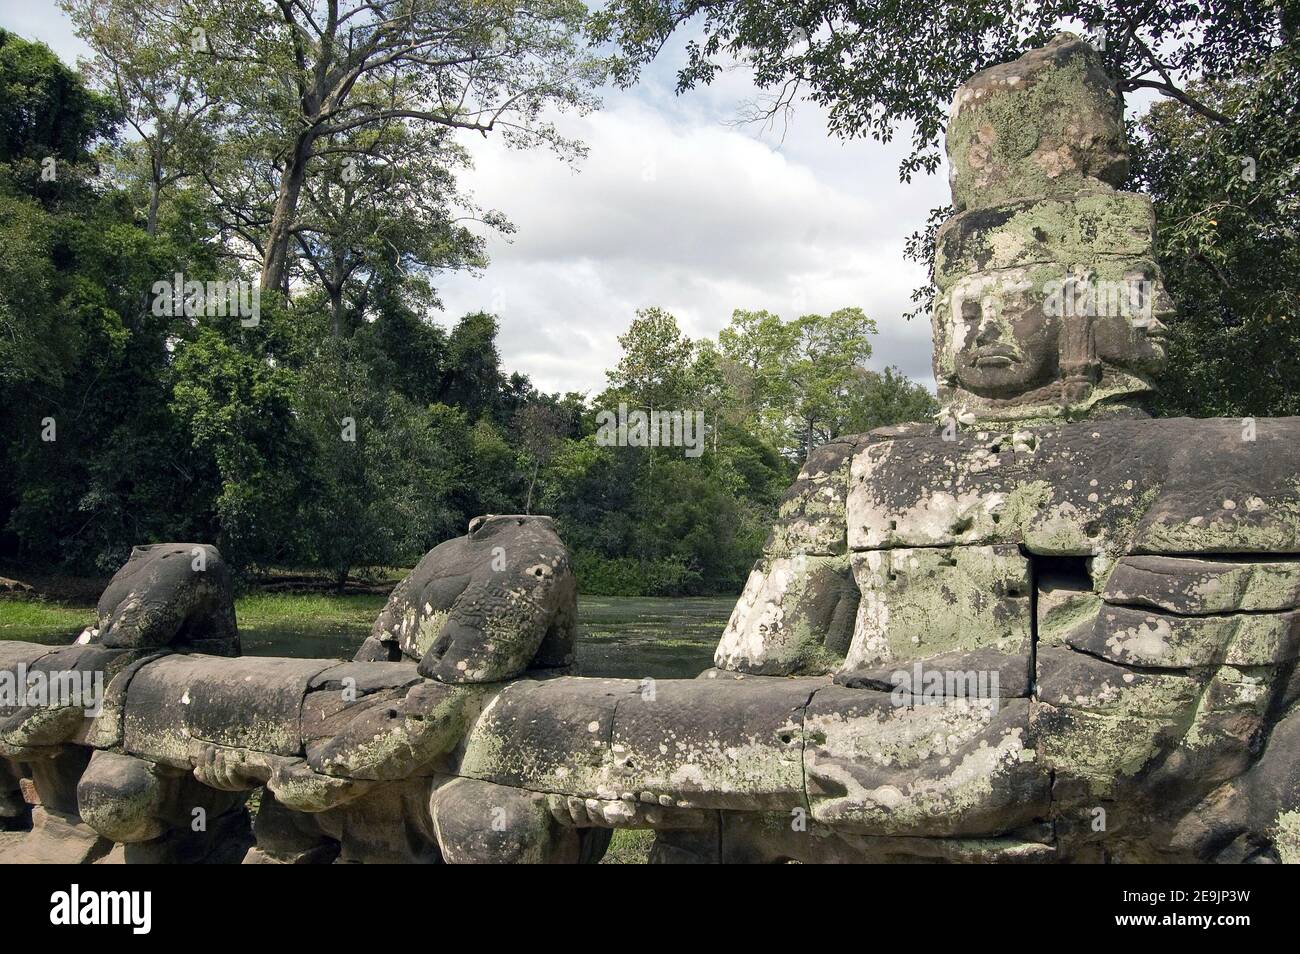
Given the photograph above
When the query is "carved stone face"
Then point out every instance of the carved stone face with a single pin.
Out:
(1135, 338)
(1002, 329)
(1002, 341)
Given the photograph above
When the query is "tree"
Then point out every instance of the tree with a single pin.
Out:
(305, 76)
(881, 65)
(829, 352)
(47, 112)
(880, 399)
(289, 445)
(156, 84)
(655, 368)
(393, 209)
(472, 379)
(407, 352)
(708, 384)
(383, 473)
(83, 421)
(540, 426)
(795, 379)
(756, 348)
(1227, 200)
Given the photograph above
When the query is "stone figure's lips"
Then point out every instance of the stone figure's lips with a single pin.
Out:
(995, 356)
(1153, 330)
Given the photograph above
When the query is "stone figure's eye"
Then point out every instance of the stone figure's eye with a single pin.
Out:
(1137, 289)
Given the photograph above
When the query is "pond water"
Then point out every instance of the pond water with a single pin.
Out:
(634, 637)
(622, 637)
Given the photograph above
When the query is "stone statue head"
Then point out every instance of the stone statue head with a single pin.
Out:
(1001, 340)
(1050, 303)
(1040, 341)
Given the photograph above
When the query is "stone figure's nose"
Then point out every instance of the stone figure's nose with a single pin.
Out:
(986, 329)
(988, 332)
(1163, 307)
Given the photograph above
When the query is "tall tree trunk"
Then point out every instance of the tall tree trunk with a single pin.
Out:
(528, 505)
(151, 222)
(155, 199)
(336, 312)
(334, 289)
(275, 265)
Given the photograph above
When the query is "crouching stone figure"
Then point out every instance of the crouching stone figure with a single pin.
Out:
(354, 761)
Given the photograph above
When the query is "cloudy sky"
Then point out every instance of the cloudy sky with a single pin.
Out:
(677, 206)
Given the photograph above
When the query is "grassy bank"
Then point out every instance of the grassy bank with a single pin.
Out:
(630, 847)
(311, 624)
(43, 621)
(307, 625)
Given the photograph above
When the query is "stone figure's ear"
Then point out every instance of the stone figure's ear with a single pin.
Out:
(1078, 358)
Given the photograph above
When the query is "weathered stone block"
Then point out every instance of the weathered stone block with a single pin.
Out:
(721, 744)
(921, 603)
(250, 703)
(1102, 751)
(960, 674)
(122, 797)
(810, 517)
(56, 838)
(1138, 637)
(1081, 229)
(549, 736)
(960, 768)
(106, 730)
(1075, 680)
(1101, 487)
(795, 616)
(391, 825)
(1194, 586)
(66, 688)
(1047, 124)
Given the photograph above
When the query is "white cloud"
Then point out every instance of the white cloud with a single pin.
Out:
(675, 208)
